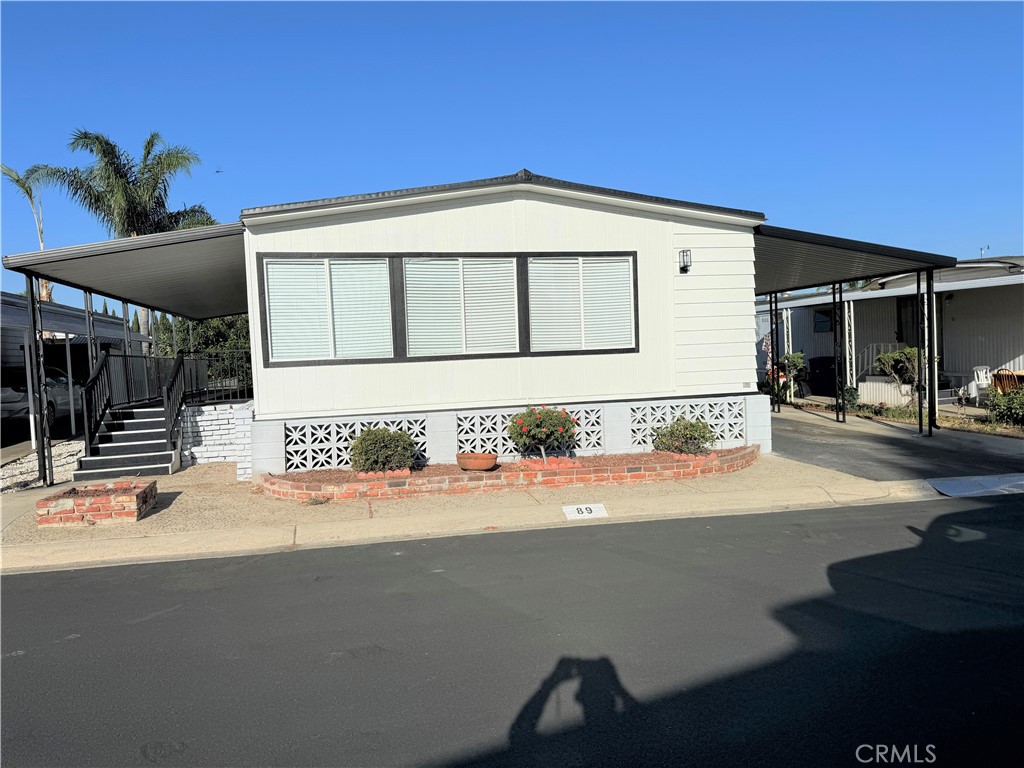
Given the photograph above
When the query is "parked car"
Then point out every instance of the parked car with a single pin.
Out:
(14, 394)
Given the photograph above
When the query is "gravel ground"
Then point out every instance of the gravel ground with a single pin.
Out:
(24, 473)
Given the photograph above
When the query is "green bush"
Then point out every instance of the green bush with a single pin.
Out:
(684, 436)
(378, 450)
(542, 429)
(851, 396)
(1006, 407)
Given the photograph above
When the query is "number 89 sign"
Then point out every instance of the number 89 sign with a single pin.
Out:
(584, 511)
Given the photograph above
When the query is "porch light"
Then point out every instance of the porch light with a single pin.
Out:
(685, 261)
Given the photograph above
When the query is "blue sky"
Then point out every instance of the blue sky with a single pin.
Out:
(894, 123)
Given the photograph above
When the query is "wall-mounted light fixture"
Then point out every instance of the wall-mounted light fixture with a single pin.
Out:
(685, 261)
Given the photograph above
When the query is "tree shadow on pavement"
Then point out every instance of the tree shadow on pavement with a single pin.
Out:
(918, 654)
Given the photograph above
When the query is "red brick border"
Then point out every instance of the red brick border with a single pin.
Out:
(119, 501)
(483, 482)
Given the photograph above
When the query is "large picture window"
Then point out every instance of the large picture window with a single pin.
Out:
(460, 306)
(335, 308)
(321, 309)
(581, 303)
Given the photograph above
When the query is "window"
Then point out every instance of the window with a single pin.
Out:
(329, 308)
(581, 303)
(823, 321)
(364, 307)
(457, 306)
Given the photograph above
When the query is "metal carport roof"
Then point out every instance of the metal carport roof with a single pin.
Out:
(194, 273)
(791, 260)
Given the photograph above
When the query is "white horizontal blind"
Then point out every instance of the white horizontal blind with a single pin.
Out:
(361, 305)
(607, 302)
(555, 316)
(433, 307)
(489, 296)
(297, 310)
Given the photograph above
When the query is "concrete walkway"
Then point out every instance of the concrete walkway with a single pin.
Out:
(201, 512)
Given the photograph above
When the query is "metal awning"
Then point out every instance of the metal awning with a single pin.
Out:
(194, 273)
(791, 260)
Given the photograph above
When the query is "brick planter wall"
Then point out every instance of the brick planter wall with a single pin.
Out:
(482, 482)
(119, 501)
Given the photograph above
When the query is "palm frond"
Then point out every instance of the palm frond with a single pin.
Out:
(188, 217)
(22, 182)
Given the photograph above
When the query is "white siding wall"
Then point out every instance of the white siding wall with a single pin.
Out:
(984, 327)
(696, 330)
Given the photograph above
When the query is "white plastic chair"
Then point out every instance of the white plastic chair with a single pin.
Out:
(982, 381)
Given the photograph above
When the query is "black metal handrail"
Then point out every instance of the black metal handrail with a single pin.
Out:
(96, 399)
(174, 397)
(219, 375)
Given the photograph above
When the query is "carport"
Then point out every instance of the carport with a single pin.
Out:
(788, 260)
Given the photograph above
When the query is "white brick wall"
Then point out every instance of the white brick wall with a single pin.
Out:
(221, 432)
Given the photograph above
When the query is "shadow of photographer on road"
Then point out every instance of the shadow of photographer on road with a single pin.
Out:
(601, 695)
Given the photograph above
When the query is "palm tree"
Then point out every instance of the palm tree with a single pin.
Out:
(128, 195)
(24, 183)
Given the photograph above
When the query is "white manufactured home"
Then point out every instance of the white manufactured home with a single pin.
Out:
(442, 310)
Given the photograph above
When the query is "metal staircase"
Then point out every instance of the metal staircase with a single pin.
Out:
(128, 431)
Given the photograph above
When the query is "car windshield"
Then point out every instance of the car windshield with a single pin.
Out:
(13, 378)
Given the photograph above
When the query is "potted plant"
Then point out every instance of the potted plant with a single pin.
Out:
(542, 429)
(476, 462)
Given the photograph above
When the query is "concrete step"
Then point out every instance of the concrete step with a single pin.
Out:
(130, 436)
(126, 462)
(129, 448)
(126, 425)
(87, 475)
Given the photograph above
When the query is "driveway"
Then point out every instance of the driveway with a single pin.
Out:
(882, 451)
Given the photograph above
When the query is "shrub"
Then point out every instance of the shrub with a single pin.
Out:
(542, 429)
(1006, 407)
(851, 396)
(684, 436)
(378, 450)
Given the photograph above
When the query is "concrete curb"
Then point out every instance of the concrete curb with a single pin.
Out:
(52, 556)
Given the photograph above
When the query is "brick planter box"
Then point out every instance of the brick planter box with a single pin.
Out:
(482, 482)
(120, 501)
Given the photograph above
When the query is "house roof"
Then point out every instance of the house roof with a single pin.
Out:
(60, 318)
(791, 260)
(521, 177)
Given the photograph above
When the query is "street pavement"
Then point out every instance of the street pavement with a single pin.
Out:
(790, 639)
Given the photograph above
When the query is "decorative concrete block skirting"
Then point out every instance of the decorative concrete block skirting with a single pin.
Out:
(483, 482)
(120, 501)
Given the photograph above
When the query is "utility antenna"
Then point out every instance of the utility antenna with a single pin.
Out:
(981, 252)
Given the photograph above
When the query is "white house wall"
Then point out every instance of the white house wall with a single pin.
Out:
(696, 330)
(983, 327)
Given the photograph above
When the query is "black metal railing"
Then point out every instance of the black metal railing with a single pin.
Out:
(96, 399)
(174, 398)
(219, 376)
(117, 381)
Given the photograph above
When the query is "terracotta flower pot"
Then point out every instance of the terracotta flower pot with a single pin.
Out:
(476, 462)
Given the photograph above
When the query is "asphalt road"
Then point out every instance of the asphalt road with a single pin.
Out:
(787, 639)
(879, 451)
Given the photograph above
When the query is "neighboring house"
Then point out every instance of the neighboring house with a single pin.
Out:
(64, 351)
(979, 312)
(442, 310)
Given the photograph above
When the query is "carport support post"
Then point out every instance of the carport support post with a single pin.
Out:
(933, 365)
(838, 350)
(44, 448)
(127, 328)
(774, 367)
(89, 332)
(921, 370)
(71, 382)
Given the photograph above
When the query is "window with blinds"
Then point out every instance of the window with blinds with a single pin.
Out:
(461, 306)
(581, 303)
(319, 309)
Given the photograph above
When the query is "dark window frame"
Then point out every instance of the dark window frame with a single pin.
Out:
(396, 272)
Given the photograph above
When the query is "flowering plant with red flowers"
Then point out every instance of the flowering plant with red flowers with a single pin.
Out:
(542, 429)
